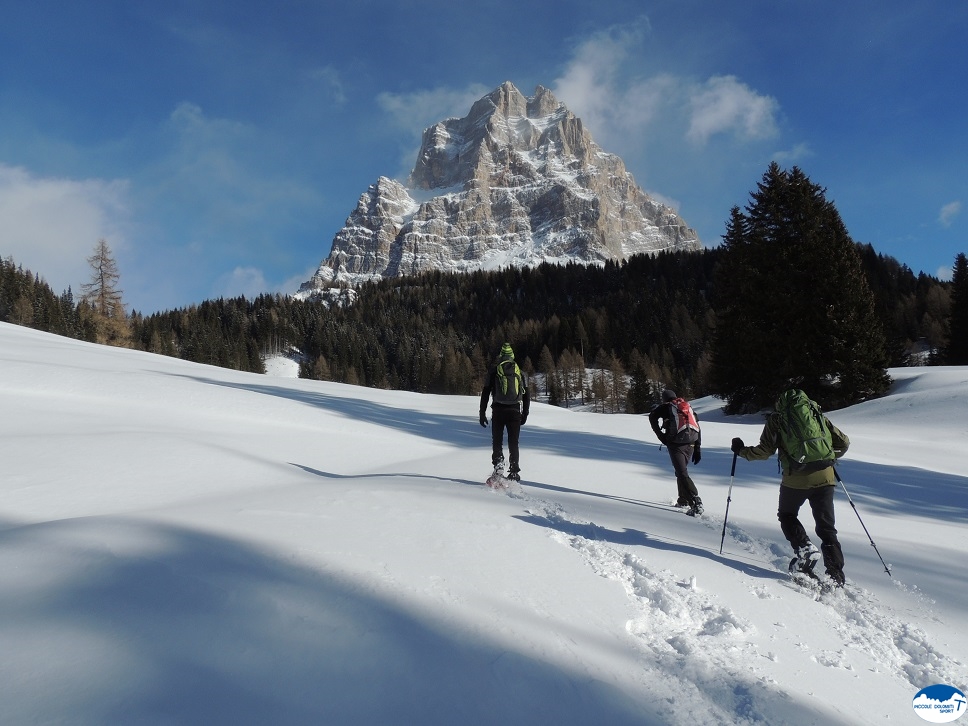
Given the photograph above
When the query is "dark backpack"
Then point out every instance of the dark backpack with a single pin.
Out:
(508, 383)
(804, 435)
(686, 425)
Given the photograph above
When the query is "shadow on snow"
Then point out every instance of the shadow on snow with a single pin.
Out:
(462, 431)
(129, 622)
(874, 488)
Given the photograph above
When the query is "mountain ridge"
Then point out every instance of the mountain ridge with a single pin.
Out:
(518, 181)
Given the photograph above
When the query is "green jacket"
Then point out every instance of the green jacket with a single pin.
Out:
(770, 444)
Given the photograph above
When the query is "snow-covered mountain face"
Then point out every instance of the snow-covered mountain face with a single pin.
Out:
(518, 181)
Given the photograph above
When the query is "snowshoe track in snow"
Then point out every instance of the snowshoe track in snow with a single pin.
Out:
(679, 622)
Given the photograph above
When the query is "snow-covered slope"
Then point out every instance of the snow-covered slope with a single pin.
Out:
(186, 544)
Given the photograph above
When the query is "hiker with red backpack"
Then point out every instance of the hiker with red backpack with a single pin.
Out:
(807, 446)
(676, 426)
(509, 410)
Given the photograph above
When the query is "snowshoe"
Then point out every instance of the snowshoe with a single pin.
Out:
(806, 561)
(695, 509)
(497, 480)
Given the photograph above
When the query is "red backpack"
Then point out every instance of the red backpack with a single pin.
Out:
(687, 427)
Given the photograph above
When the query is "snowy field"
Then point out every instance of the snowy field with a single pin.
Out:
(183, 544)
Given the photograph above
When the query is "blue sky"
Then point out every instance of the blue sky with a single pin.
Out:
(219, 146)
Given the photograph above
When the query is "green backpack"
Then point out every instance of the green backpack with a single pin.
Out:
(510, 383)
(805, 440)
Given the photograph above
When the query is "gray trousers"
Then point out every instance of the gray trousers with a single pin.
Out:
(681, 455)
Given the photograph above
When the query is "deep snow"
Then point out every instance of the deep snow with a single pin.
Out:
(187, 544)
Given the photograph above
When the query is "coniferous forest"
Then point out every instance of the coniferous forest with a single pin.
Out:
(650, 319)
(788, 299)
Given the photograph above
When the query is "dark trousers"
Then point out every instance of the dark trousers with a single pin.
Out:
(822, 505)
(681, 455)
(505, 417)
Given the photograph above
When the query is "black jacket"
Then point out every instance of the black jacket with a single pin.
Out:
(491, 383)
(664, 431)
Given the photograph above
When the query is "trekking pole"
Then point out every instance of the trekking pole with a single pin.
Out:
(729, 498)
(886, 568)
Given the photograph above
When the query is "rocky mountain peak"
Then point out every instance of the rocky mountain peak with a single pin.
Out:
(517, 181)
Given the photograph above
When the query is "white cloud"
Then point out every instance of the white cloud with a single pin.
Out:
(50, 225)
(590, 80)
(600, 86)
(791, 156)
(663, 199)
(595, 87)
(251, 282)
(725, 105)
(421, 109)
(623, 109)
(197, 132)
(215, 173)
(948, 213)
(329, 79)
(248, 281)
(944, 273)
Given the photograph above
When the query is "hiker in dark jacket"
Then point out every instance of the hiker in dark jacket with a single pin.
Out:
(797, 487)
(684, 446)
(509, 388)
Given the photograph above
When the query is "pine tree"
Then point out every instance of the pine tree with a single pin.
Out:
(740, 328)
(795, 308)
(639, 396)
(957, 350)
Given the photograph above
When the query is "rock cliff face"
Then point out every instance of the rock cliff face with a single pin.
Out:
(518, 181)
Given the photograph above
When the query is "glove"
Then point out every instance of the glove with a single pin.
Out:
(737, 445)
(696, 454)
(484, 420)
(524, 419)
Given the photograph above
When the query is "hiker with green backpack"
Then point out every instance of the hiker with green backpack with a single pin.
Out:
(509, 410)
(809, 446)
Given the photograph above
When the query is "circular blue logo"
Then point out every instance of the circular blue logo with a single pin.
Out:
(940, 703)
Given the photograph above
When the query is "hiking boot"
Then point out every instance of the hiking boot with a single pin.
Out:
(806, 560)
(515, 473)
(695, 508)
(499, 467)
(681, 503)
(837, 576)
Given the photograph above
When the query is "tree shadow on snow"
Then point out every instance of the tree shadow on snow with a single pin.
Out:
(462, 431)
(130, 622)
(116, 620)
(884, 489)
(638, 538)
(905, 490)
(408, 475)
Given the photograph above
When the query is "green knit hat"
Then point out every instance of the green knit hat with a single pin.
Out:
(506, 352)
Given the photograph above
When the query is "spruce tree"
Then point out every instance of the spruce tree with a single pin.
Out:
(637, 398)
(794, 306)
(957, 350)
